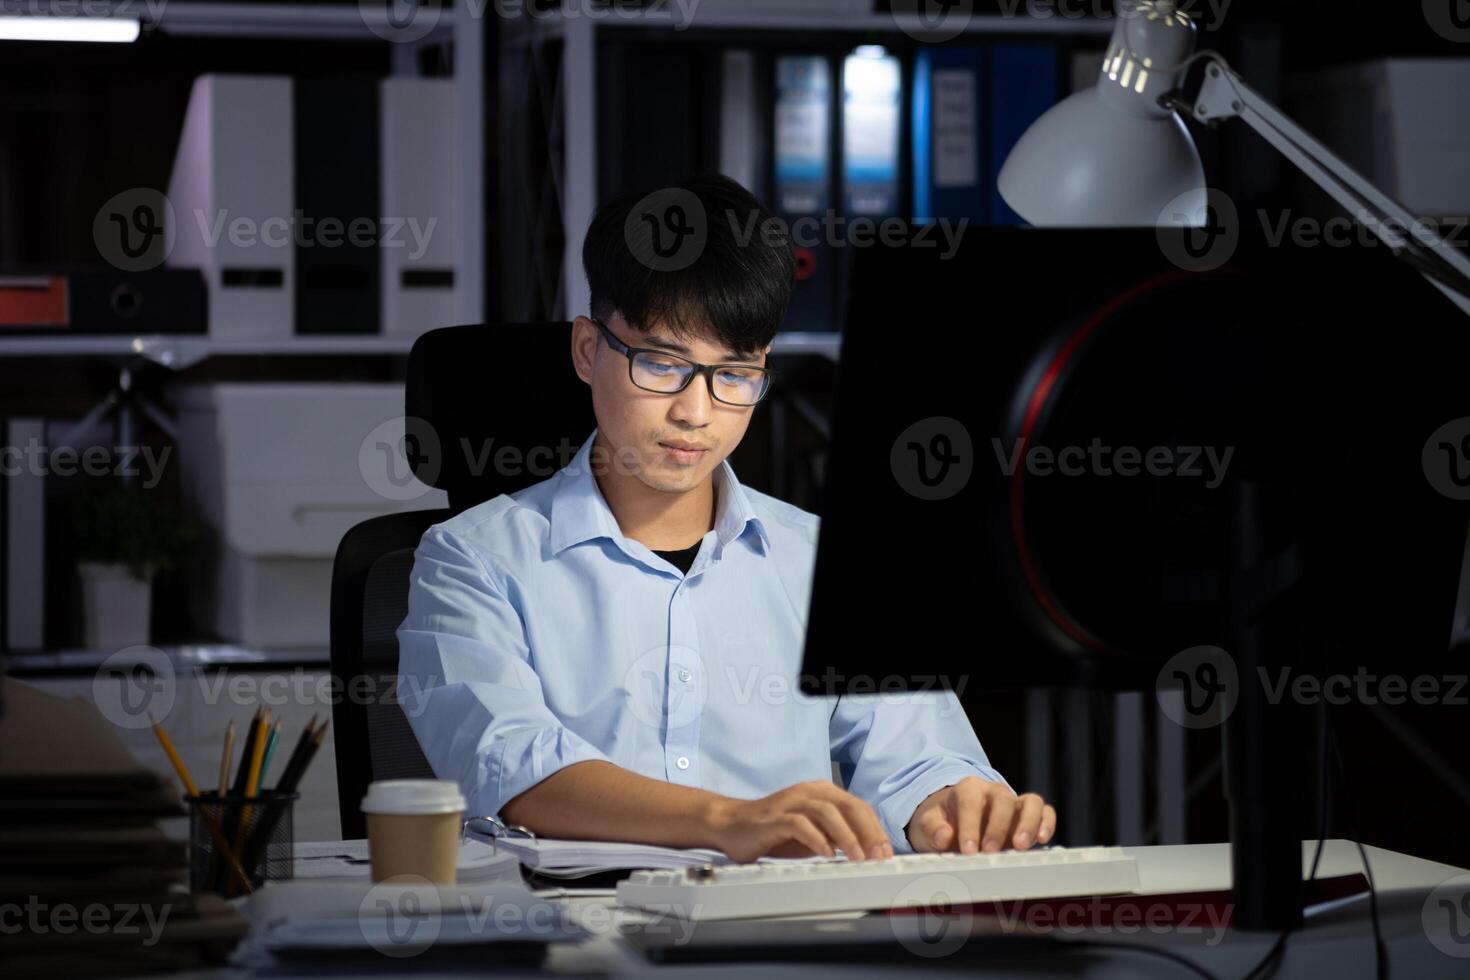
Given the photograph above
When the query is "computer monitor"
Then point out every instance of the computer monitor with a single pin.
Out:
(1073, 457)
(1036, 438)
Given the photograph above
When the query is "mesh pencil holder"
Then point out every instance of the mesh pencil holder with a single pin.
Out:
(256, 835)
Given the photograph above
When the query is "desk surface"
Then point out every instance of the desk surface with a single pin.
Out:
(1335, 943)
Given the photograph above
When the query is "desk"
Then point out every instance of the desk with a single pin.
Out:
(1336, 943)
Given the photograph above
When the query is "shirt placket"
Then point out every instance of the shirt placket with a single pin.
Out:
(684, 694)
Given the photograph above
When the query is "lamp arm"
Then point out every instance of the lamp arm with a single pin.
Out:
(1224, 95)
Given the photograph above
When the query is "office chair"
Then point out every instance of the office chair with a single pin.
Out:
(478, 389)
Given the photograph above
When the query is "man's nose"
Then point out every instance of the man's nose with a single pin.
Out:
(692, 405)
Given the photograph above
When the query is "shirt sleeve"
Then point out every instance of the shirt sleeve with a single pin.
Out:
(466, 683)
(896, 749)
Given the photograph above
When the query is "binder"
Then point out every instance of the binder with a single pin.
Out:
(741, 134)
(949, 134)
(233, 203)
(420, 283)
(337, 187)
(871, 94)
(803, 177)
(1023, 85)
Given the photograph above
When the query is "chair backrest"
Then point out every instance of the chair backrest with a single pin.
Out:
(491, 409)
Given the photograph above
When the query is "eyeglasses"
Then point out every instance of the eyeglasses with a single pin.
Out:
(665, 373)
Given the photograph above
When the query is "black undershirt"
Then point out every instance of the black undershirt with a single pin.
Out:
(681, 559)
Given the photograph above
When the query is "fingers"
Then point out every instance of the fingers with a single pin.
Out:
(931, 830)
(801, 828)
(1027, 822)
(872, 838)
(831, 822)
(998, 817)
(968, 803)
(1048, 824)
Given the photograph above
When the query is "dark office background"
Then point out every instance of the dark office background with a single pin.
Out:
(80, 122)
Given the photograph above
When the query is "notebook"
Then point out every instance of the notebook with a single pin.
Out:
(580, 858)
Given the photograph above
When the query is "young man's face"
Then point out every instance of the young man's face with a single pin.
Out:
(670, 442)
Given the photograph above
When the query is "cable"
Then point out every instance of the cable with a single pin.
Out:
(1159, 951)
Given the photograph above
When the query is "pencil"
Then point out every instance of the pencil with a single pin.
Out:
(270, 748)
(224, 761)
(252, 784)
(231, 810)
(193, 790)
(301, 756)
(190, 786)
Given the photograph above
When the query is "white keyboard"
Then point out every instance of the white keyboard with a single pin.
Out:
(738, 891)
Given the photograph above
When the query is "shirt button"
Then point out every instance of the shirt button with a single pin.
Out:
(684, 675)
(682, 762)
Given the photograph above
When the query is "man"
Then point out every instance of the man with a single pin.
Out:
(611, 654)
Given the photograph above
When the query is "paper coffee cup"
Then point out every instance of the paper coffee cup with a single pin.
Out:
(413, 828)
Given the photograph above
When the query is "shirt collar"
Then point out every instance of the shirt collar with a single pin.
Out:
(580, 513)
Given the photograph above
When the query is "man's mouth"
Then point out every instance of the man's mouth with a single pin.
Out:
(684, 453)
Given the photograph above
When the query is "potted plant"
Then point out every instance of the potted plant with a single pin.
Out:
(125, 535)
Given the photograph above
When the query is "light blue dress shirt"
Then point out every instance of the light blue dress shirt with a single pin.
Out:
(538, 636)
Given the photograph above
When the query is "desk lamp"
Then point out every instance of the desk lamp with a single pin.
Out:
(1119, 154)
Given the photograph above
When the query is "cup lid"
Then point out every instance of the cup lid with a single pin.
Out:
(413, 796)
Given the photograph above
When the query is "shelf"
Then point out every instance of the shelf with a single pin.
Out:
(185, 350)
(180, 351)
(828, 20)
(342, 22)
(826, 343)
(191, 656)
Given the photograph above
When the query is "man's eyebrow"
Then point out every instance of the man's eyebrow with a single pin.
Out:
(730, 357)
(668, 345)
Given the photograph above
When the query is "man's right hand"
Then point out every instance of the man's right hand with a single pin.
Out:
(801, 820)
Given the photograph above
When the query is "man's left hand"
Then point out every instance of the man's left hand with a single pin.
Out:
(977, 814)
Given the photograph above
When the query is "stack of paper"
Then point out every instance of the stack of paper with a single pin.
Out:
(81, 852)
(364, 927)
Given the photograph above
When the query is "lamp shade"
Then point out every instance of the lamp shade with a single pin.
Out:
(1113, 155)
(1085, 164)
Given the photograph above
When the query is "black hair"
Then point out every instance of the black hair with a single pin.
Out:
(701, 257)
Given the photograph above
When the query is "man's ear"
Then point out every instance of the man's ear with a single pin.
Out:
(584, 345)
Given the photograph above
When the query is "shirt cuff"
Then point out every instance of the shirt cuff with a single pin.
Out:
(526, 757)
(897, 810)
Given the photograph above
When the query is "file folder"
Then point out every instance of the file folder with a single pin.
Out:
(949, 134)
(233, 203)
(803, 172)
(420, 282)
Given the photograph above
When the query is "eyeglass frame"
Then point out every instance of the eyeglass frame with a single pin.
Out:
(708, 370)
